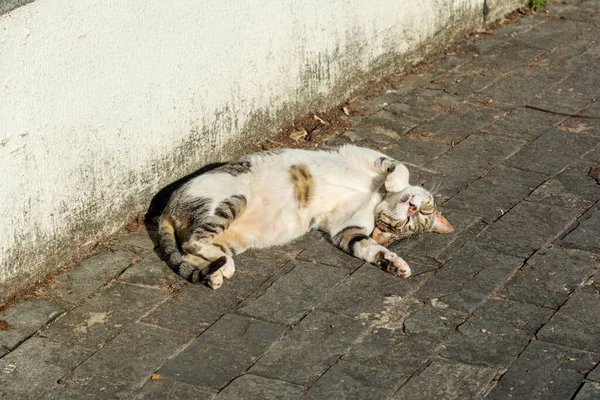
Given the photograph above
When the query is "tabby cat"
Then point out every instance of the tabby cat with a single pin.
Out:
(361, 198)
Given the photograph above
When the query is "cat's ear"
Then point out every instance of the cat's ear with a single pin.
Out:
(441, 224)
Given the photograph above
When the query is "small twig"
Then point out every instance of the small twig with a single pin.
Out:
(561, 113)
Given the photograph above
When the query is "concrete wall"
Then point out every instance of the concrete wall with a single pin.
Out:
(102, 102)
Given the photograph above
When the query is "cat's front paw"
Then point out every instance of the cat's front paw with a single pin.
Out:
(395, 265)
(397, 181)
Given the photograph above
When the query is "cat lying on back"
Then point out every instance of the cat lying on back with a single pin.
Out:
(361, 198)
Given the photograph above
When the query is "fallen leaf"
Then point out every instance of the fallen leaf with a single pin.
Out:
(240, 298)
(156, 376)
(427, 134)
(4, 325)
(297, 135)
(346, 111)
(321, 120)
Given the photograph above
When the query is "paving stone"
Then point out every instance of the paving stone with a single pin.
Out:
(560, 99)
(223, 352)
(583, 83)
(495, 334)
(310, 349)
(497, 192)
(589, 126)
(576, 323)
(165, 389)
(506, 57)
(151, 271)
(393, 350)
(366, 294)
(256, 387)
(126, 362)
(452, 380)
(572, 188)
(526, 228)
(89, 275)
(25, 318)
(589, 391)
(435, 248)
(36, 365)
(400, 124)
(142, 238)
(193, 308)
(549, 276)
(102, 318)
(414, 151)
(421, 113)
(436, 99)
(294, 294)
(472, 158)
(521, 85)
(552, 33)
(565, 57)
(524, 123)
(594, 375)
(324, 252)
(433, 321)
(544, 370)
(586, 235)
(463, 274)
(3, 352)
(346, 380)
(463, 81)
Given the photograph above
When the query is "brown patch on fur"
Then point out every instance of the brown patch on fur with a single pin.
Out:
(231, 242)
(195, 260)
(303, 184)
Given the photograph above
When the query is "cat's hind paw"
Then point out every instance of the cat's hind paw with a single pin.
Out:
(228, 269)
(394, 264)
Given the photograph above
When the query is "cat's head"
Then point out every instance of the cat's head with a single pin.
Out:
(408, 213)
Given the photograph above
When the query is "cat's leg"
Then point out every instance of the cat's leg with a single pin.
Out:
(211, 239)
(355, 240)
(397, 178)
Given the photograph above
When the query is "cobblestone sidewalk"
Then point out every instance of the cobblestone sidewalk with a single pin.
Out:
(508, 307)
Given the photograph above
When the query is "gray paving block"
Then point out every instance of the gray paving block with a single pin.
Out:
(142, 239)
(35, 366)
(576, 323)
(393, 350)
(549, 276)
(470, 277)
(433, 321)
(25, 317)
(166, 389)
(126, 362)
(594, 375)
(294, 294)
(399, 124)
(453, 380)
(544, 370)
(256, 387)
(366, 293)
(151, 271)
(414, 151)
(425, 97)
(223, 352)
(589, 391)
(495, 334)
(586, 235)
(509, 55)
(101, 318)
(526, 228)
(324, 252)
(472, 158)
(496, 193)
(346, 380)
(552, 33)
(584, 124)
(572, 188)
(193, 308)
(89, 275)
(310, 349)
(421, 113)
(524, 123)
(553, 151)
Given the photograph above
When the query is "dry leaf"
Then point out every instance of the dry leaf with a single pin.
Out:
(156, 376)
(346, 111)
(427, 134)
(321, 120)
(4, 325)
(240, 298)
(297, 135)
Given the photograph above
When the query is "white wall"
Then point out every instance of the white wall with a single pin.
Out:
(102, 102)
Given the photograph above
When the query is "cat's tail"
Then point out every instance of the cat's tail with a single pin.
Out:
(189, 267)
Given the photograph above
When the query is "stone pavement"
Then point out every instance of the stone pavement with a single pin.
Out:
(508, 307)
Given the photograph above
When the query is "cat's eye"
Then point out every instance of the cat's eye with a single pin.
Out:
(426, 212)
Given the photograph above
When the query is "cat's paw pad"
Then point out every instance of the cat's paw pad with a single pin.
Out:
(215, 280)
(228, 269)
(396, 265)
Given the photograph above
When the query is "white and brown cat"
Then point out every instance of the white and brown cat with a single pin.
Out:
(359, 197)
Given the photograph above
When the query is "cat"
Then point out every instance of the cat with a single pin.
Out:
(359, 197)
